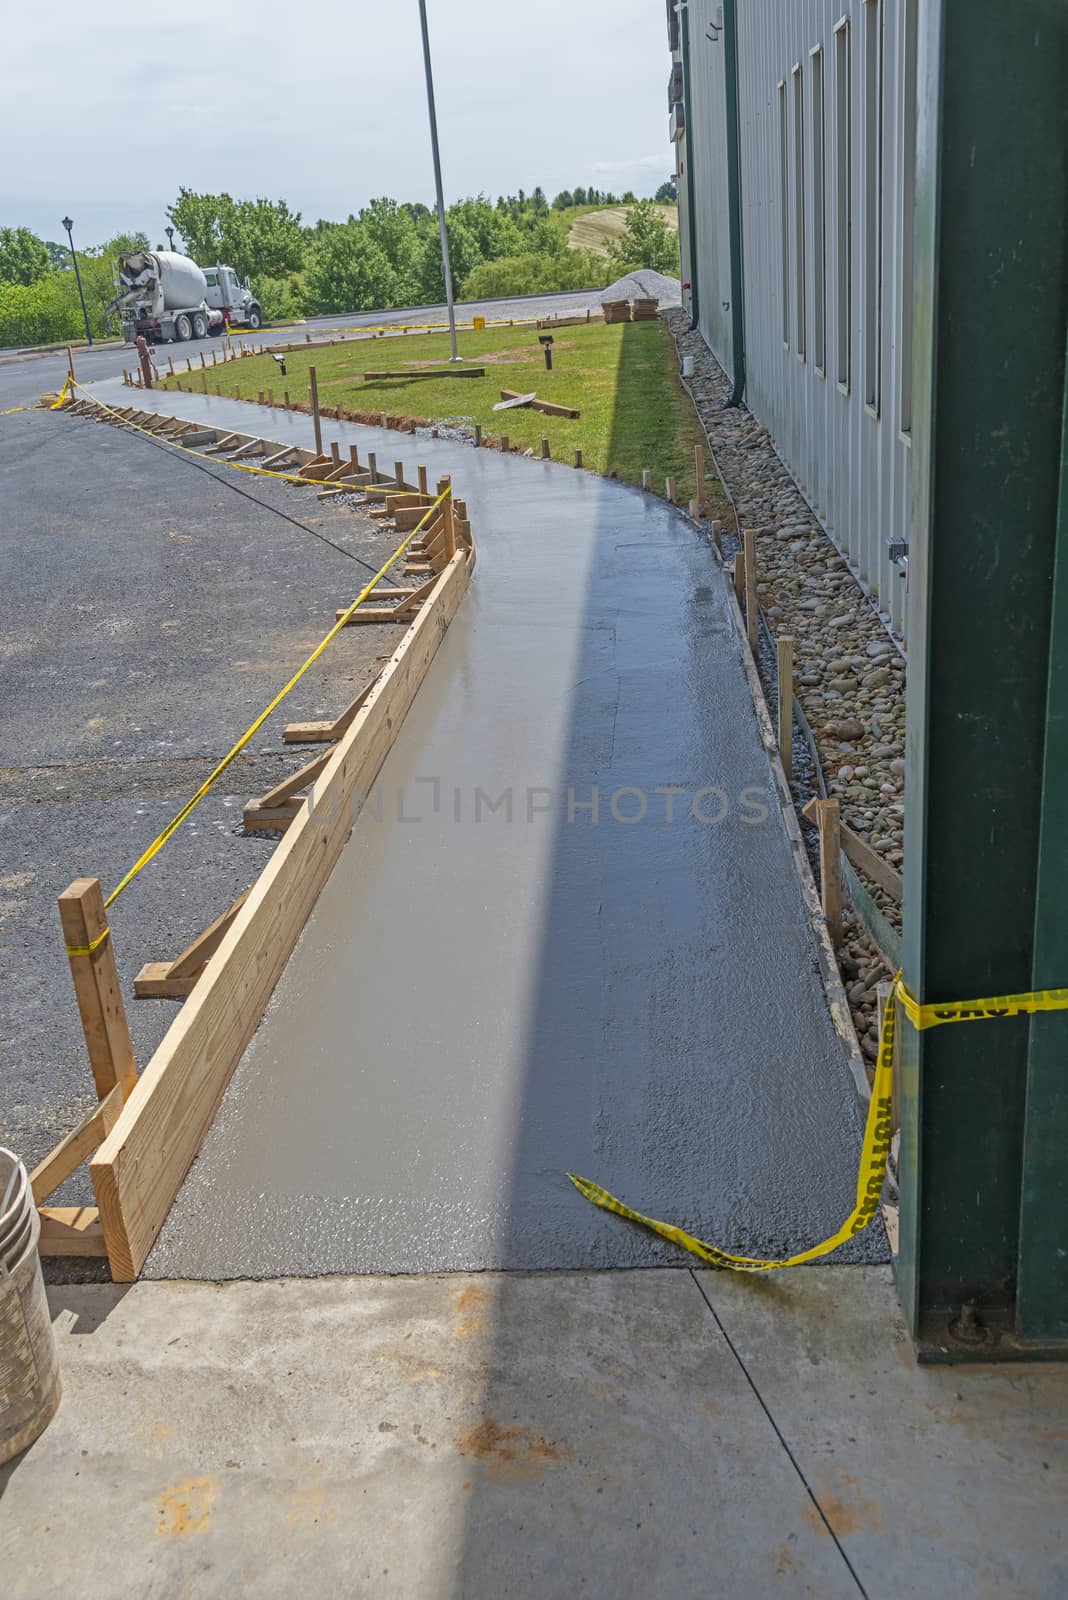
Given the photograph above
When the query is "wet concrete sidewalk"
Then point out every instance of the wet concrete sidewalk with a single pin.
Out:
(616, 1435)
(566, 934)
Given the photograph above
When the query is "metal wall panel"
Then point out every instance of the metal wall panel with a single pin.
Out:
(707, 144)
(851, 458)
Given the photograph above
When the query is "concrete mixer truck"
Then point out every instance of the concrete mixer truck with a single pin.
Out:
(165, 296)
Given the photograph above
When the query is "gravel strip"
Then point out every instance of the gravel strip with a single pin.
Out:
(849, 669)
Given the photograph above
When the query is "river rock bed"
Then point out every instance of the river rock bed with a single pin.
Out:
(849, 670)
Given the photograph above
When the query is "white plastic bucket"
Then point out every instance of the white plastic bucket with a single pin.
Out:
(29, 1376)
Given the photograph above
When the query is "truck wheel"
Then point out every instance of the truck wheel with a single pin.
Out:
(200, 326)
(255, 317)
(182, 328)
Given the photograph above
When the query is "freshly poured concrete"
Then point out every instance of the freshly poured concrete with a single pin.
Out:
(482, 1002)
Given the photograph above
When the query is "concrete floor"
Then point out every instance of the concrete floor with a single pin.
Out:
(478, 1004)
(628, 1436)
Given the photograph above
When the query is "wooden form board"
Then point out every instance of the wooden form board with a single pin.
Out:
(428, 372)
(139, 1168)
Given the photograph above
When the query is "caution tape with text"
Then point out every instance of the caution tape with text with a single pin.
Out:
(877, 1131)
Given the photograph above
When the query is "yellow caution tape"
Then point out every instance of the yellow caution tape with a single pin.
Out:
(175, 444)
(877, 1131)
(175, 823)
(62, 395)
(11, 409)
(87, 949)
(988, 1007)
(869, 1180)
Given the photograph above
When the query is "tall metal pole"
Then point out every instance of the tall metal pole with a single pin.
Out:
(437, 178)
(69, 224)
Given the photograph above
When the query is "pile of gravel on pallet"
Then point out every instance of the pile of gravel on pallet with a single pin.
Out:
(850, 671)
(644, 284)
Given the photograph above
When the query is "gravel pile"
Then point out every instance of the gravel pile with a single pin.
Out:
(644, 284)
(850, 671)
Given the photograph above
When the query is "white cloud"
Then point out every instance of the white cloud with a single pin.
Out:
(110, 119)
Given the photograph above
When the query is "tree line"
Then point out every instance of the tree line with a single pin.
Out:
(385, 255)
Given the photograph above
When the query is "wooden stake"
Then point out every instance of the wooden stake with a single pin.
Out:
(354, 458)
(176, 979)
(285, 399)
(752, 620)
(189, 363)
(421, 472)
(578, 458)
(504, 444)
(784, 647)
(70, 364)
(372, 465)
(478, 436)
(313, 387)
(96, 986)
(259, 397)
(447, 511)
(739, 580)
(827, 817)
(203, 361)
(699, 469)
(170, 365)
(695, 510)
(647, 478)
(545, 452)
(335, 453)
(398, 472)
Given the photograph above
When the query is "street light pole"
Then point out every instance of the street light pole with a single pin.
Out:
(68, 224)
(437, 179)
(170, 236)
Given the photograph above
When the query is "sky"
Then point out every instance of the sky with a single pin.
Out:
(108, 111)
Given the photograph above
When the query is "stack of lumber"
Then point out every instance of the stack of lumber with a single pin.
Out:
(616, 310)
(643, 310)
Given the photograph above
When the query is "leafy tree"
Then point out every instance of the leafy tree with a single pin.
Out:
(667, 194)
(630, 198)
(647, 241)
(564, 200)
(580, 197)
(350, 271)
(255, 237)
(538, 274)
(23, 256)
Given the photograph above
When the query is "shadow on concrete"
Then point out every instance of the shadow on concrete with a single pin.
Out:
(678, 1051)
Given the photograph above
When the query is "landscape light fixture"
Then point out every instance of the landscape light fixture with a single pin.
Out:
(546, 342)
(170, 236)
(281, 363)
(69, 224)
(437, 179)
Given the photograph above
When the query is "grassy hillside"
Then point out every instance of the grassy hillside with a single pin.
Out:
(623, 378)
(595, 228)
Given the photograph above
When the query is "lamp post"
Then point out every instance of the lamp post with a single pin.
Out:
(437, 179)
(170, 236)
(68, 224)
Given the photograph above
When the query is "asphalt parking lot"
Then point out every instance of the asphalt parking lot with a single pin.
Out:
(150, 608)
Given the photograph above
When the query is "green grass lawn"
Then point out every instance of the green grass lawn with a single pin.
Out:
(623, 378)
